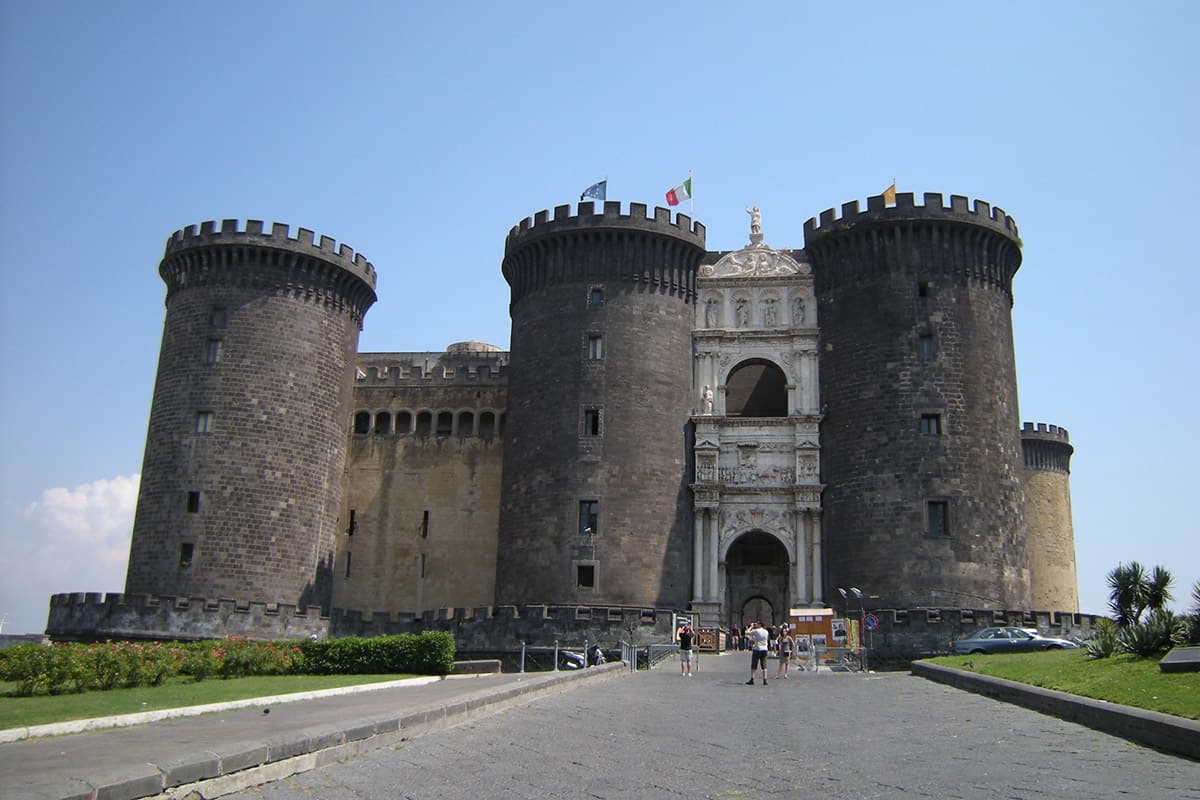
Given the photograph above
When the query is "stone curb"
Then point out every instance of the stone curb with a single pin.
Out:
(1170, 734)
(142, 717)
(235, 766)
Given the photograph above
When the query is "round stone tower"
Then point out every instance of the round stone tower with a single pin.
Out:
(1047, 450)
(246, 447)
(920, 443)
(595, 502)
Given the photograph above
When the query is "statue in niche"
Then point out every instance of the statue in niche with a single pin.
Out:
(797, 311)
(742, 311)
(755, 219)
(706, 401)
(770, 318)
(712, 313)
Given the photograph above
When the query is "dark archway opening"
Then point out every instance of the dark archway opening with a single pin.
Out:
(756, 580)
(756, 388)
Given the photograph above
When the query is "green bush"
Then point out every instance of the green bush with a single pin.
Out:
(1150, 637)
(78, 667)
(239, 658)
(1104, 643)
(430, 653)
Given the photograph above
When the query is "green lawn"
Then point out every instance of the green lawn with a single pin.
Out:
(1124, 679)
(19, 712)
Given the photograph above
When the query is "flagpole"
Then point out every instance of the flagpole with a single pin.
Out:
(691, 198)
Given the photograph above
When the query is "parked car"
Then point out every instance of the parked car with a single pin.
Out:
(1008, 640)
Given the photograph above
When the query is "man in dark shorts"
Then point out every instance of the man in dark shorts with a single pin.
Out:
(759, 642)
(686, 637)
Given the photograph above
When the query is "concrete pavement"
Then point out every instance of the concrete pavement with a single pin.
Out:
(222, 752)
(615, 734)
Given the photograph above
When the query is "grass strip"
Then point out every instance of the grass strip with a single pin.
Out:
(19, 712)
(1125, 679)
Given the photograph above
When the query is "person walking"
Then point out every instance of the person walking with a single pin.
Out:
(786, 647)
(760, 640)
(686, 637)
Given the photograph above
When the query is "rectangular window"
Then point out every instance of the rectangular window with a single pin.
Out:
(422, 567)
(204, 421)
(922, 288)
(185, 554)
(591, 422)
(193, 502)
(589, 517)
(931, 424)
(425, 525)
(925, 349)
(213, 354)
(218, 317)
(585, 576)
(353, 526)
(347, 563)
(938, 513)
(595, 347)
(596, 296)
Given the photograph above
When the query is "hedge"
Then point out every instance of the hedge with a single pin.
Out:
(430, 653)
(68, 667)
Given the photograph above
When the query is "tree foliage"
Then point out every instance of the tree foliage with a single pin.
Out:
(1138, 600)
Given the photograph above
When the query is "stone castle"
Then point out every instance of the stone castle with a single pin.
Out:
(732, 433)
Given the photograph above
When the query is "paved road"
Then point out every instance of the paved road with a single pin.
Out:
(828, 736)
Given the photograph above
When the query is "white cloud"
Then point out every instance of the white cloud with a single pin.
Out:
(68, 540)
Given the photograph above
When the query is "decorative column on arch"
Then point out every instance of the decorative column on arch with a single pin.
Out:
(800, 568)
(818, 592)
(714, 557)
(706, 597)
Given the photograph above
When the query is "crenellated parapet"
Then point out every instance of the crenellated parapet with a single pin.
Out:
(659, 252)
(902, 633)
(95, 616)
(457, 366)
(1046, 447)
(975, 241)
(208, 255)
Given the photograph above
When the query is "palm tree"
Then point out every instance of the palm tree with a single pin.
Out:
(1158, 589)
(1132, 591)
(1128, 593)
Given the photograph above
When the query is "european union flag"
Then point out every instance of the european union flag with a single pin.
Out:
(598, 191)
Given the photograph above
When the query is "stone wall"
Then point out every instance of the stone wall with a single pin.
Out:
(607, 426)
(245, 451)
(1054, 582)
(426, 511)
(918, 383)
(902, 635)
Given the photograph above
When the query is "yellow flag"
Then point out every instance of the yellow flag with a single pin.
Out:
(889, 194)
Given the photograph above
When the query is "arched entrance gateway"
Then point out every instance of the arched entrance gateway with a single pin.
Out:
(756, 580)
(757, 493)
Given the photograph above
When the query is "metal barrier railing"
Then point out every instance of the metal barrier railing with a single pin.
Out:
(559, 657)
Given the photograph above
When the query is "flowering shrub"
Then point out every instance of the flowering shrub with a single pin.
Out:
(111, 665)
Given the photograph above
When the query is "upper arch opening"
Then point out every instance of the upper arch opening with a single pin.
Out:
(756, 388)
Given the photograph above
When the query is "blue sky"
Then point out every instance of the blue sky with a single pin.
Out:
(420, 133)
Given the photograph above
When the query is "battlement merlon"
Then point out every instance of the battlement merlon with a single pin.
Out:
(231, 233)
(1041, 430)
(609, 218)
(905, 209)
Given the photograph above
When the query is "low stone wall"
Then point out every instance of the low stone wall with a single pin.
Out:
(91, 616)
(98, 617)
(1164, 732)
(903, 635)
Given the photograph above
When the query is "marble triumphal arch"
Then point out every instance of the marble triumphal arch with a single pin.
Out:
(757, 492)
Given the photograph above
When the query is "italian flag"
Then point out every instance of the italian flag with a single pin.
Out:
(680, 193)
